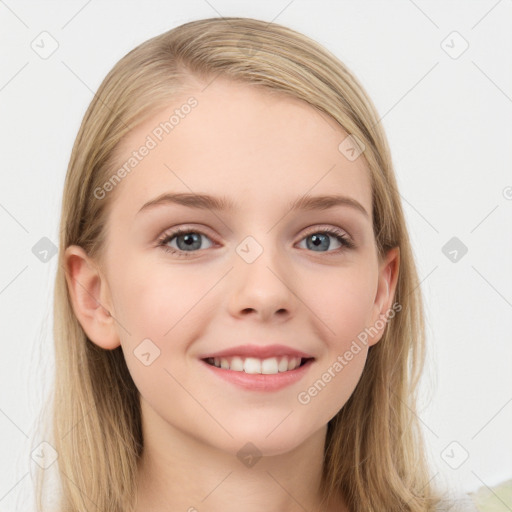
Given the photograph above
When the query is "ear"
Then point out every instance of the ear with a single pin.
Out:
(383, 305)
(90, 297)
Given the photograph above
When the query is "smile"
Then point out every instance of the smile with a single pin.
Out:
(253, 365)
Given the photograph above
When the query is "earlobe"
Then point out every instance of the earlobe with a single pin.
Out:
(387, 282)
(90, 298)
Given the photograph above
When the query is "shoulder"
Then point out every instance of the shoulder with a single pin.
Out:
(460, 503)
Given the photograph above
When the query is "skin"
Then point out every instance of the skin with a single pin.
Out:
(261, 151)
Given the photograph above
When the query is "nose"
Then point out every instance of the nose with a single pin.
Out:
(263, 289)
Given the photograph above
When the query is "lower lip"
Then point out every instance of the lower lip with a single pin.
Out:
(261, 382)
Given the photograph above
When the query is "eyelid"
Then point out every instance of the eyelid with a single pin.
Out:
(182, 227)
(319, 228)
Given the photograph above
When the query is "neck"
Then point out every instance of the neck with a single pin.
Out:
(179, 472)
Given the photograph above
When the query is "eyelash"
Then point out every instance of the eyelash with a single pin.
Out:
(167, 237)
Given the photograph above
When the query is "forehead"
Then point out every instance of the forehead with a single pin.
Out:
(241, 142)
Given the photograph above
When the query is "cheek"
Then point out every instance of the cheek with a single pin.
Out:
(160, 311)
(342, 301)
(149, 309)
(156, 303)
(331, 387)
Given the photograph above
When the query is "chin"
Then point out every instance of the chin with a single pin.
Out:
(265, 440)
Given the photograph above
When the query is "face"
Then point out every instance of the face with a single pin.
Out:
(258, 272)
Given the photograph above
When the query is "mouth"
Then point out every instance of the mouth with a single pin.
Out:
(253, 365)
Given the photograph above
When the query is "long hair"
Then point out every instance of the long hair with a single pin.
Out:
(374, 451)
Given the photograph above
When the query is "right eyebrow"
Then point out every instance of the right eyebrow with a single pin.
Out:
(201, 201)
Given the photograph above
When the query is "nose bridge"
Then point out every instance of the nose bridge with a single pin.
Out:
(260, 281)
(260, 237)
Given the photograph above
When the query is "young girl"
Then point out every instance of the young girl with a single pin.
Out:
(238, 318)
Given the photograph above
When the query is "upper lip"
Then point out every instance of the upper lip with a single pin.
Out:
(258, 351)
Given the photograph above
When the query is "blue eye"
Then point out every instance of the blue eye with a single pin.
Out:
(189, 241)
(321, 239)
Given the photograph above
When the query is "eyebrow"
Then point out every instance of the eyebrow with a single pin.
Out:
(208, 202)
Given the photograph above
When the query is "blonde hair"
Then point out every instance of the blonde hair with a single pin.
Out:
(374, 452)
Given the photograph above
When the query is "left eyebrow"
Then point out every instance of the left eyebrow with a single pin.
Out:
(326, 202)
(207, 202)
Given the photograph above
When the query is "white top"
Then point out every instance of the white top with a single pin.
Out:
(460, 503)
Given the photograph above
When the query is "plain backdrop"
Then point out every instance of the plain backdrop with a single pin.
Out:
(440, 76)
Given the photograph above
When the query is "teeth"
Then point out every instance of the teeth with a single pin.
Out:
(283, 364)
(253, 365)
(270, 366)
(237, 364)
